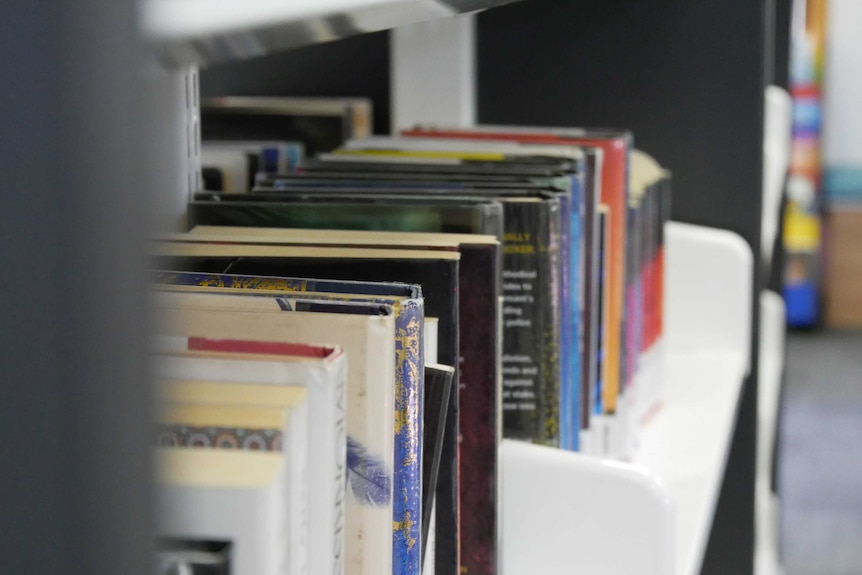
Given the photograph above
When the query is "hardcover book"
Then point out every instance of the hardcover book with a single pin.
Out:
(438, 388)
(324, 377)
(361, 212)
(255, 428)
(233, 496)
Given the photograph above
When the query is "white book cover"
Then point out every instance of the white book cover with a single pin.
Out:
(325, 380)
(209, 424)
(226, 495)
(369, 343)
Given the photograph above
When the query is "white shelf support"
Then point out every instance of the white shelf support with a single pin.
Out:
(175, 143)
(433, 72)
(567, 513)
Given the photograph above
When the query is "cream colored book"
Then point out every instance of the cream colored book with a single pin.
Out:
(322, 371)
(281, 429)
(226, 495)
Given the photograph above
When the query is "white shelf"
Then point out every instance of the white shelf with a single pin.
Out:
(204, 32)
(686, 443)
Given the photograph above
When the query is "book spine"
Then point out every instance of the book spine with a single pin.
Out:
(479, 398)
(576, 307)
(531, 349)
(409, 386)
(566, 324)
(590, 282)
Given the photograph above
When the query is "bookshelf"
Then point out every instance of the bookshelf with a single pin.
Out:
(80, 226)
(202, 32)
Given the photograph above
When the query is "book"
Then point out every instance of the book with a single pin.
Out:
(281, 429)
(321, 123)
(365, 212)
(599, 438)
(228, 496)
(240, 164)
(324, 377)
(590, 235)
(438, 388)
(615, 146)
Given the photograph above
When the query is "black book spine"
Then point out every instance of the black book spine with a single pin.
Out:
(438, 389)
(590, 282)
(531, 321)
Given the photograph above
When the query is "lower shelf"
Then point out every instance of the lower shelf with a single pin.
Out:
(686, 443)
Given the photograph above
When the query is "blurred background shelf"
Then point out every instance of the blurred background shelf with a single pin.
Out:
(205, 32)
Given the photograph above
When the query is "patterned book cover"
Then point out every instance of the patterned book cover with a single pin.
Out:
(220, 437)
(478, 374)
(408, 380)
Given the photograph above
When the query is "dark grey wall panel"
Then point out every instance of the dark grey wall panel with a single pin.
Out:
(687, 78)
(357, 66)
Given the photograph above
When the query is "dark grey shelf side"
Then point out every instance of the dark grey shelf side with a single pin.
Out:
(74, 409)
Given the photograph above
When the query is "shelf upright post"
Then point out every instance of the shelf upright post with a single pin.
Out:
(176, 143)
(74, 205)
(433, 72)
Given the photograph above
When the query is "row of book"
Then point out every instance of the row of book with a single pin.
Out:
(456, 286)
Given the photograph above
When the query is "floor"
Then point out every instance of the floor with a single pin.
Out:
(820, 455)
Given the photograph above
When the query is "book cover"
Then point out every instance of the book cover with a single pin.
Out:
(325, 380)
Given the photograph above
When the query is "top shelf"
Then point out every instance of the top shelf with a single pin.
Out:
(206, 32)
